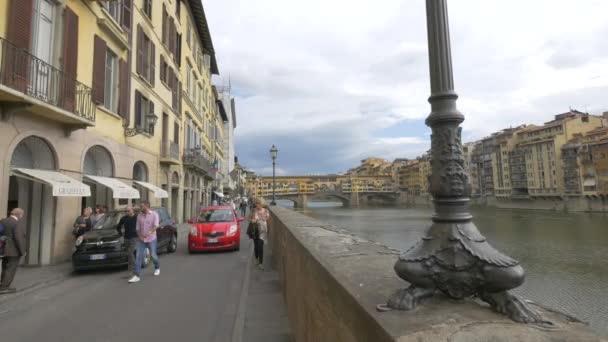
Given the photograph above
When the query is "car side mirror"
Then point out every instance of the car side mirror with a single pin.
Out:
(191, 221)
(240, 219)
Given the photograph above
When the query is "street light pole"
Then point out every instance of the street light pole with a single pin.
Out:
(453, 257)
(273, 153)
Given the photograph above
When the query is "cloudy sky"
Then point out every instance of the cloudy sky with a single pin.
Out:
(331, 82)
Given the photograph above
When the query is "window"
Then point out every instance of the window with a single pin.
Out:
(147, 8)
(188, 33)
(42, 34)
(178, 6)
(114, 8)
(163, 70)
(146, 57)
(189, 80)
(110, 100)
(175, 132)
(143, 108)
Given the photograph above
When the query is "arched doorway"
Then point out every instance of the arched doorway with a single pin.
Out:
(35, 198)
(98, 162)
(140, 173)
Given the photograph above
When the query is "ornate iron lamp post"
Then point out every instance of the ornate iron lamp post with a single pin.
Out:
(273, 154)
(453, 257)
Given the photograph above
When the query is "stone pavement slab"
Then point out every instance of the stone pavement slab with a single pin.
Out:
(266, 315)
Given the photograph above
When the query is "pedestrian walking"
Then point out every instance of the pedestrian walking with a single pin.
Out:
(261, 217)
(14, 249)
(147, 224)
(83, 222)
(127, 227)
(243, 207)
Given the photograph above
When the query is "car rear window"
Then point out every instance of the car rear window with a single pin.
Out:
(216, 215)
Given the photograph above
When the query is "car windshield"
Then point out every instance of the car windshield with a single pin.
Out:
(217, 215)
(108, 221)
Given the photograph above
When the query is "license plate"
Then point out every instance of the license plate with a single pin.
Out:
(97, 257)
(212, 240)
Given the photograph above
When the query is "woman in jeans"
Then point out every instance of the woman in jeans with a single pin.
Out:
(261, 216)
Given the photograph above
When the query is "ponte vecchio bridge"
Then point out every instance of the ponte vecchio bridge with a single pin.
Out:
(350, 190)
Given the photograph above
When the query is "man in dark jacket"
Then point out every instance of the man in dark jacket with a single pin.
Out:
(14, 249)
(127, 228)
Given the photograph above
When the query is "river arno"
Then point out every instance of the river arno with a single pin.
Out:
(565, 255)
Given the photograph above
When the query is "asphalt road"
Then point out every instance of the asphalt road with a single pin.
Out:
(195, 298)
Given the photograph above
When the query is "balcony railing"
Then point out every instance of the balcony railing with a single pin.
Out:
(24, 72)
(170, 150)
(196, 159)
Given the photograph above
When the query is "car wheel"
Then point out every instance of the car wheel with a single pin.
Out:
(172, 247)
(147, 258)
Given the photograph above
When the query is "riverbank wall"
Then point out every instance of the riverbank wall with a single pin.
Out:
(564, 204)
(332, 281)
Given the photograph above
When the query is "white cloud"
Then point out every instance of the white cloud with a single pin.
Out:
(333, 75)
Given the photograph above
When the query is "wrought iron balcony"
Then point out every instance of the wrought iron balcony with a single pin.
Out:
(194, 158)
(28, 75)
(169, 152)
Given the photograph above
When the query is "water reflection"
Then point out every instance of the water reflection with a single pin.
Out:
(565, 255)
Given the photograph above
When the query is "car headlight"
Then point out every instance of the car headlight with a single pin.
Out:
(79, 240)
(232, 230)
(193, 231)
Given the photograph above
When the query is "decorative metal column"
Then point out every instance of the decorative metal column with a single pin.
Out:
(453, 257)
(273, 153)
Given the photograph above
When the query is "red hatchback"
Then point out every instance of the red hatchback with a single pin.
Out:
(216, 228)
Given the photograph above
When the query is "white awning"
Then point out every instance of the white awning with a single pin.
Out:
(158, 192)
(219, 194)
(63, 186)
(119, 189)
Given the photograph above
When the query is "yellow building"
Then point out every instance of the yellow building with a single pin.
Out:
(413, 178)
(542, 147)
(91, 110)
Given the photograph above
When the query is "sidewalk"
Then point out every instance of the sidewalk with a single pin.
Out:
(30, 278)
(266, 315)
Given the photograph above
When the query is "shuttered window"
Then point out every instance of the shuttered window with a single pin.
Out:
(143, 107)
(123, 86)
(127, 13)
(147, 8)
(70, 57)
(146, 56)
(99, 64)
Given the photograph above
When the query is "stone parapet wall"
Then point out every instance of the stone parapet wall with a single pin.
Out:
(333, 280)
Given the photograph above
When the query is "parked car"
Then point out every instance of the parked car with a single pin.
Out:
(215, 228)
(103, 246)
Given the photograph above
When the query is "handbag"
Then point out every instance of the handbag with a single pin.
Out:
(253, 231)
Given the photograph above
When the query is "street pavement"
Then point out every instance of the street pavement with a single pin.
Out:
(195, 298)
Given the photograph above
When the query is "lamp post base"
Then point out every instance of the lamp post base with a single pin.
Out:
(455, 259)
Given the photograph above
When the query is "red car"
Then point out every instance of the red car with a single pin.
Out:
(215, 229)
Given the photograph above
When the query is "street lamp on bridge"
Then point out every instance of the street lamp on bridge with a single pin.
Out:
(273, 154)
(453, 257)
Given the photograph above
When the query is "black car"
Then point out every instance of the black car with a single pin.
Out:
(103, 246)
